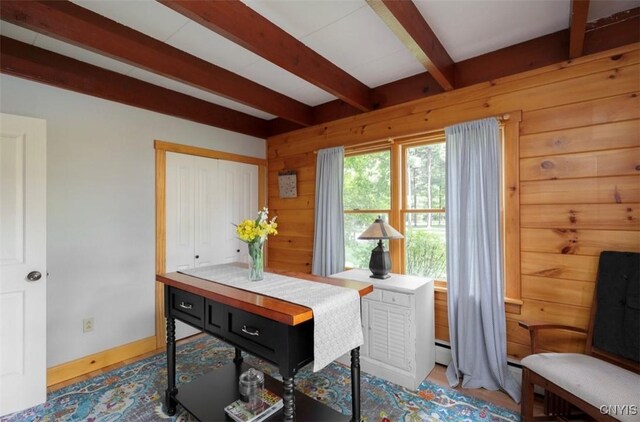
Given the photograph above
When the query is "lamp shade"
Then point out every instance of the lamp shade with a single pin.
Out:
(380, 230)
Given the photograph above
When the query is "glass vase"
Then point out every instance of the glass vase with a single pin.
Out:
(256, 263)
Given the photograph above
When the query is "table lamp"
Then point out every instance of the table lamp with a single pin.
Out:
(380, 262)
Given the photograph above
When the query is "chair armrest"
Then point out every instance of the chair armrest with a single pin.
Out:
(535, 326)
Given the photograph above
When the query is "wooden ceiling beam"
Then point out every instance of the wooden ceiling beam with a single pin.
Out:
(239, 23)
(614, 31)
(79, 26)
(621, 29)
(39, 65)
(577, 27)
(405, 20)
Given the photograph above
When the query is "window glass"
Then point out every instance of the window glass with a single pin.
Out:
(367, 187)
(358, 252)
(425, 172)
(367, 181)
(425, 231)
(425, 245)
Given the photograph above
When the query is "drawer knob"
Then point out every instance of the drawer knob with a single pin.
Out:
(186, 305)
(250, 330)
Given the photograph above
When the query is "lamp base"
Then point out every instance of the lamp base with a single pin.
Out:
(380, 277)
(380, 262)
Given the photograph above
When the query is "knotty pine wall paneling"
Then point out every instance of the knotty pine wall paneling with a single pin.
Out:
(579, 179)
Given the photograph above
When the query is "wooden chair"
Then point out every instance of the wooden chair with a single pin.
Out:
(604, 383)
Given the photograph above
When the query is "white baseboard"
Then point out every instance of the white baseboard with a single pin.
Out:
(443, 357)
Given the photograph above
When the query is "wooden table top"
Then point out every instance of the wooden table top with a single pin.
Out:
(266, 306)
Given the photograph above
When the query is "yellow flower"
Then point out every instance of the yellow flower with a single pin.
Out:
(257, 230)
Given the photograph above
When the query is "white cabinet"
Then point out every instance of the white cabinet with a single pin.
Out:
(204, 198)
(398, 326)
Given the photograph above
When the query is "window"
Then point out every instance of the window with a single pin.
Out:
(425, 251)
(405, 183)
(419, 215)
(367, 194)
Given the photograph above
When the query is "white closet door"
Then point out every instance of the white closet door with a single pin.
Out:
(180, 222)
(208, 213)
(239, 193)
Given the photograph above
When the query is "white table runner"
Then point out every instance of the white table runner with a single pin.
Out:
(336, 310)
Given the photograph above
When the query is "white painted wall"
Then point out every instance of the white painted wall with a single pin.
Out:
(101, 210)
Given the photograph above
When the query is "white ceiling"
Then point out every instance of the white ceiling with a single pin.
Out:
(346, 32)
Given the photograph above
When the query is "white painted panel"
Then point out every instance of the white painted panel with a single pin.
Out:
(239, 183)
(398, 338)
(180, 220)
(359, 38)
(12, 326)
(12, 168)
(491, 25)
(389, 334)
(17, 32)
(201, 42)
(300, 18)
(23, 305)
(149, 17)
(179, 212)
(207, 247)
(379, 347)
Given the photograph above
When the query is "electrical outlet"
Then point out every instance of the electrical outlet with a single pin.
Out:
(87, 325)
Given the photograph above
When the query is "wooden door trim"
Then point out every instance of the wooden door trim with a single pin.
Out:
(208, 153)
(161, 149)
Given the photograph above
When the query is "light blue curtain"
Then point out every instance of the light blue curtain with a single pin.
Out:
(328, 241)
(477, 326)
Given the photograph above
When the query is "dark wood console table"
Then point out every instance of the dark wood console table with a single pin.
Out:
(278, 331)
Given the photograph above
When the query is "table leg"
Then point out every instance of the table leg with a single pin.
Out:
(289, 398)
(169, 401)
(238, 357)
(355, 384)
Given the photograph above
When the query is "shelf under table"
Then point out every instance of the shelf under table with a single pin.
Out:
(207, 396)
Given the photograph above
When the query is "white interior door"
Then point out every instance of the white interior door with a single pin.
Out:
(239, 193)
(208, 213)
(204, 198)
(23, 295)
(180, 220)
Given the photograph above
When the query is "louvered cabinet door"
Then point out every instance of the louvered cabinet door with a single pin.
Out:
(390, 334)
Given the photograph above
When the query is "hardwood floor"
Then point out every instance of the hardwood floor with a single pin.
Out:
(437, 376)
(499, 398)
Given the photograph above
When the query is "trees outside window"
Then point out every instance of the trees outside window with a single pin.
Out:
(423, 209)
(368, 192)
(403, 180)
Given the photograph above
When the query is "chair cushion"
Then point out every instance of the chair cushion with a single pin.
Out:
(593, 380)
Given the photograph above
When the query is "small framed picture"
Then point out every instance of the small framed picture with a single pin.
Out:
(287, 184)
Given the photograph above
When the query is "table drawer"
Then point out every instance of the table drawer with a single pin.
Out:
(395, 298)
(187, 307)
(253, 332)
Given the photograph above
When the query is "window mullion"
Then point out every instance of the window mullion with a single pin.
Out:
(396, 248)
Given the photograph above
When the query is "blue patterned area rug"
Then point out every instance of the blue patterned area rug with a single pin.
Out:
(134, 392)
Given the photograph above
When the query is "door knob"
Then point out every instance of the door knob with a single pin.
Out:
(34, 276)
